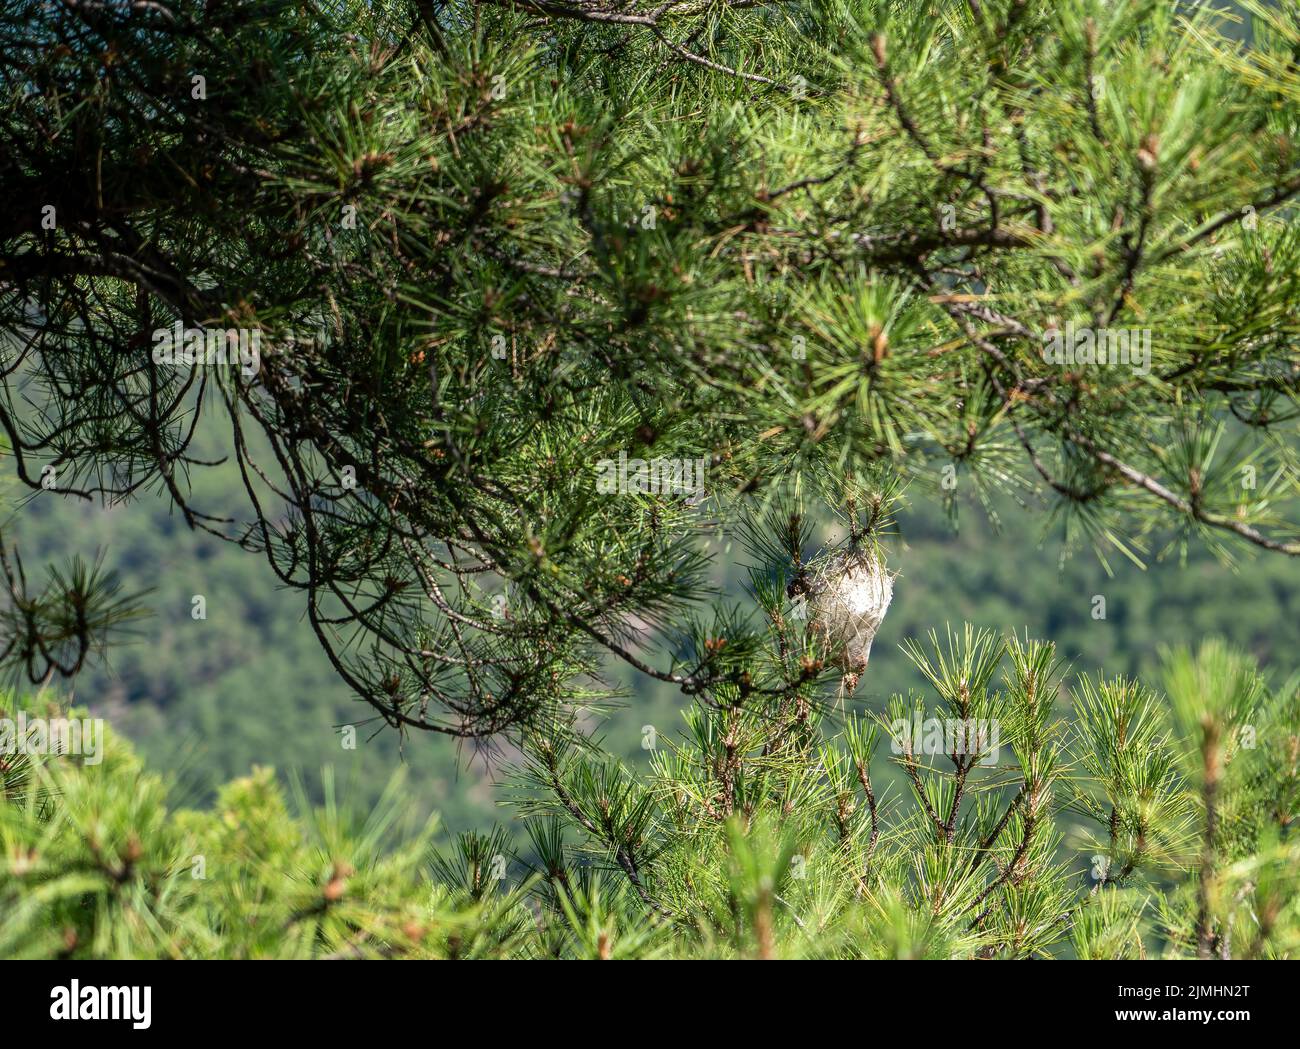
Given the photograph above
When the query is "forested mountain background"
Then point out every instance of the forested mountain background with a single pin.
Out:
(206, 699)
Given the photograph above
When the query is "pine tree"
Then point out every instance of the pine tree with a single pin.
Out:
(762, 832)
(503, 307)
(474, 249)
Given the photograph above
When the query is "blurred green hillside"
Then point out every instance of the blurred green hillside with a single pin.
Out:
(207, 699)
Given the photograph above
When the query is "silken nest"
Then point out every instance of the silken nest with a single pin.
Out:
(848, 595)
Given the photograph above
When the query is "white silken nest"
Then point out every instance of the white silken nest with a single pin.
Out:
(849, 596)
